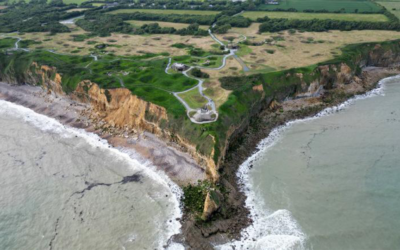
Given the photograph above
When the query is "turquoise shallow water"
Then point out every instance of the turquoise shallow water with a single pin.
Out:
(331, 182)
(62, 188)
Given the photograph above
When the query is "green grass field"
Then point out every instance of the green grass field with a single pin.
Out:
(331, 5)
(7, 43)
(393, 7)
(307, 16)
(97, 4)
(194, 99)
(143, 77)
(157, 11)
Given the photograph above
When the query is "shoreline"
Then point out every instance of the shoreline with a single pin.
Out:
(297, 237)
(223, 232)
(179, 166)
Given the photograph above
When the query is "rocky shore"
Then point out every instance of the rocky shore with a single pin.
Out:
(179, 166)
(146, 147)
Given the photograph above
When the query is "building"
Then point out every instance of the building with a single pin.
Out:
(179, 67)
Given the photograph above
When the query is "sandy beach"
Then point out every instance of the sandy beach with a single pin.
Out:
(146, 147)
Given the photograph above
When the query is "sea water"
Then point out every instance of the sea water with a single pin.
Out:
(329, 182)
(63, 188)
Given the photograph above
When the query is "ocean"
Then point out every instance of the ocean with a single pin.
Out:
(327, 182)
(63, 188)
(331, 181)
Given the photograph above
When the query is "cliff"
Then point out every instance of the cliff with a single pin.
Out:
(112, 108)
(120, 109)
(211, 145)
(340, 74)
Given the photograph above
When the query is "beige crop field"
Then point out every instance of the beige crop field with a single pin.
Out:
(164, 24)
(121, 44)
(77, 9)
(300, 49)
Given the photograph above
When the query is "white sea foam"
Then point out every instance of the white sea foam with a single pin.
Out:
(50, 125)
(278, 229)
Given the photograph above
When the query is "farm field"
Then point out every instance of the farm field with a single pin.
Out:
(393, 7)
(331, 5)
(157, 11)
(77, 9)
(285, 50)
(164, 24)
(254, 15)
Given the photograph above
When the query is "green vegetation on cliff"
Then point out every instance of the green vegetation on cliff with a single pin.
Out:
(145, 76)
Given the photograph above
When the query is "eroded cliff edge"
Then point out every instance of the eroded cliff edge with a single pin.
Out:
(257, 104)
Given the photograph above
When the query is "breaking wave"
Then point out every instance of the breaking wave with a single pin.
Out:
(278, 229)
(51, 125)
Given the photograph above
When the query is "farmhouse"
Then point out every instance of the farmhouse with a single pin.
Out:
(271, 2)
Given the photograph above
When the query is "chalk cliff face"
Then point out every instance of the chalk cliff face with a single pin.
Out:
(119, 108)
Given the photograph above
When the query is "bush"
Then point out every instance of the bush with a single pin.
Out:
(195, 196)
(199, 74)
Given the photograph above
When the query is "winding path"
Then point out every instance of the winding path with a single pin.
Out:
(199, 86)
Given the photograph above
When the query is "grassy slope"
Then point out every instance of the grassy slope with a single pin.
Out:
(158, 11)
(331, 5)
(7, 43)
(307, 16)
(146, 77)
(302, 49)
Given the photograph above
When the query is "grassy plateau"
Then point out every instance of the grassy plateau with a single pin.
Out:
(350, 6)
(253, 15)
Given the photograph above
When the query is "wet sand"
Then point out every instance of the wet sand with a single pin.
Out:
(179, 166)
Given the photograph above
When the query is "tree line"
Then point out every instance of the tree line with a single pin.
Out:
(319, 25)
(104, 25)
(36, 16)
(200, 19)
